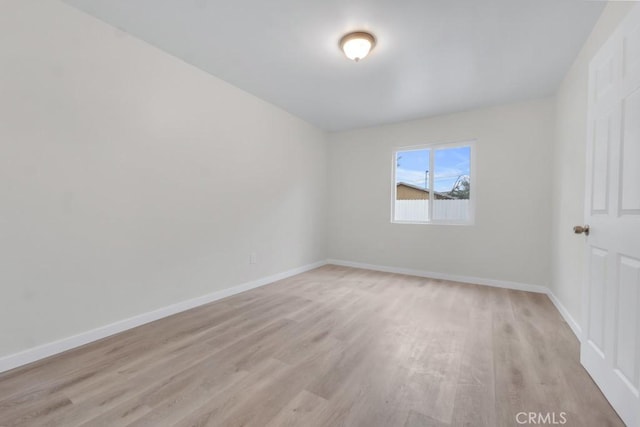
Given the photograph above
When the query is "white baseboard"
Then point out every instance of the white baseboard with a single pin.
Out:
(443, 276)
(40, 352)
(575, 326)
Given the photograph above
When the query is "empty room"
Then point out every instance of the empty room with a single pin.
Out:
(319, 213)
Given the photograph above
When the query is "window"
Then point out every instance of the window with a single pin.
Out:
(433, 184)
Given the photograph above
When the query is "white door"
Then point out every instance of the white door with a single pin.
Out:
(610, 348)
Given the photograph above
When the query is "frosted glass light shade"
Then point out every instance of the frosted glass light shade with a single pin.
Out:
(357, 45)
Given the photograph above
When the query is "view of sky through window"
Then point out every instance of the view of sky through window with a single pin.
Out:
(450, 165)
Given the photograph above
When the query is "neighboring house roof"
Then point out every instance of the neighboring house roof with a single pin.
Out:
(424, 190)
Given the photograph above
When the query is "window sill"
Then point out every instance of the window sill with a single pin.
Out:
(466, 223)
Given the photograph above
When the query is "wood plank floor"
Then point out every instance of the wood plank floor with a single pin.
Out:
(332, 347)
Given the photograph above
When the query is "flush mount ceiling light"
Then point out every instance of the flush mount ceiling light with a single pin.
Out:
(357, 45)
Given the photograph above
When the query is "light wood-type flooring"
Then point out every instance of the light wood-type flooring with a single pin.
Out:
(335, 346)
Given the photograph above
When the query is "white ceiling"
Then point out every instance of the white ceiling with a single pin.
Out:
(432, 57)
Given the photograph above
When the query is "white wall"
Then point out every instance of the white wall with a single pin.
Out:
(130, 180)
(510, 238)
(567, 249)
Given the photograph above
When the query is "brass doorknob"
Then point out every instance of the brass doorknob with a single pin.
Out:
(579, 229)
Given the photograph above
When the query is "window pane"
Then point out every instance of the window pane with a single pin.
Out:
(412, 186)
(452, 184)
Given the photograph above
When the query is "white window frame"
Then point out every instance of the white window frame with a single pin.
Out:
(433, 147)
